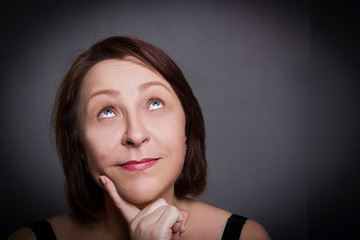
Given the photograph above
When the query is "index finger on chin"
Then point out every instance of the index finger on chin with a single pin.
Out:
(128, 210)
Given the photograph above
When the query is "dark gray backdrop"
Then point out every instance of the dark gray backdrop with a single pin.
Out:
(282, 134)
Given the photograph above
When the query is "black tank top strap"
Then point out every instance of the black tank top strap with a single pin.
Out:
(233, 227)
(43, 230)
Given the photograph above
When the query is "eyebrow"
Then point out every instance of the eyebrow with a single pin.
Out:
(147, 85)
(114, 93)
(109, 92)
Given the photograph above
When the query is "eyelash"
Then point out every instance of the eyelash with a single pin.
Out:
(148, 105)
(104, 109)
(153, 100)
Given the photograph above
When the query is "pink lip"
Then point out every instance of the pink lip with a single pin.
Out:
(141, 165)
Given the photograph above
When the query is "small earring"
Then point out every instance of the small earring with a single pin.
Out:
(185, 149)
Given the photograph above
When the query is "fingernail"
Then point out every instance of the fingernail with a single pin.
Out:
(182, 228)
(103, 180)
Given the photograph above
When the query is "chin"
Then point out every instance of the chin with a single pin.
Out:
(140, 194)
(140, 201)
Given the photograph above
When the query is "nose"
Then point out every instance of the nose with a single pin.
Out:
(135, 133)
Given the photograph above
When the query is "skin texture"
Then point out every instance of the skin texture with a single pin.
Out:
(128, 112)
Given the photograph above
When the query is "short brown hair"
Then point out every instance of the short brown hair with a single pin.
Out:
(84, 195)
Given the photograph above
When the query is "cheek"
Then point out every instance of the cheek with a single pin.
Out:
(171, 133)
(100, 144)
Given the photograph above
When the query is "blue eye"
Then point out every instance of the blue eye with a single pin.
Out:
(106, 113)
(155, 104)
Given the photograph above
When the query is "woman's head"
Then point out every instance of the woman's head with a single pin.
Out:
(79, 112)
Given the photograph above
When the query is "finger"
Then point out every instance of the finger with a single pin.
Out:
(151, 208)
(128, 210)
(175, 236)
(152, 221)
(151, 218)
(177, 226)
(186, 218)
(171, 218)
(180, 226)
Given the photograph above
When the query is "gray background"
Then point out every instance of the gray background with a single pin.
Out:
(282, 134)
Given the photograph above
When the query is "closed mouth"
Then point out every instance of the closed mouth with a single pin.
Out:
(141, 165)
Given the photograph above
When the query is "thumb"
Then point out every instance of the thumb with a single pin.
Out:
(128, 210)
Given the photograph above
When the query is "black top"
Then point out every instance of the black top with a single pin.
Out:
(43, 230)
(233, 227)
(232, 231)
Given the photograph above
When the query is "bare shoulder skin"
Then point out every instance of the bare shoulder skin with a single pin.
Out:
(253, 231)
(24, 233)
(205, 221)
(67, 227)
(208, 222)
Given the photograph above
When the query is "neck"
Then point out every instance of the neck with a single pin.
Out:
(114, 222)
(168, 196)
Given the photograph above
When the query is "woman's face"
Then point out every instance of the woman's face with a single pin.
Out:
(132, 128)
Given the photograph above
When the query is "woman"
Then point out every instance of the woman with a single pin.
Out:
(130, 135)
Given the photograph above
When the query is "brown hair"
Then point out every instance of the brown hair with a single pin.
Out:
(84, 195)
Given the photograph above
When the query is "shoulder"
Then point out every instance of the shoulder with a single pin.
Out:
(62, 220)
(60, 225)
(66, 224)
(205, 221)
(253, 231)
(212, 220)
(24, 233)
(199, 209)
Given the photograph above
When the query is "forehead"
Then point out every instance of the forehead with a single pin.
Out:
(124, 74)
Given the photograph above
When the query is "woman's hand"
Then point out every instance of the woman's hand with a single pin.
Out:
(158, 220)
